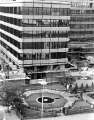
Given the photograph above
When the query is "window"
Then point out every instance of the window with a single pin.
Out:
(12, 51)
(58, 55)
(12, 41)
(45, 34)
(45, 11)
(11, 30)
(14, 10)
(11, 20)
(45, 23)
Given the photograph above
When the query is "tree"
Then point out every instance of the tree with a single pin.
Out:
(87, 86)
(9, 97)
(75, 89)
(92, 85)
(12, 94)
(81, 87)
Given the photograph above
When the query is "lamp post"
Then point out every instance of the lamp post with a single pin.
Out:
(43, 83)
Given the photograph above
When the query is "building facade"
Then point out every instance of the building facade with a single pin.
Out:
(82, 29)
(34, 35)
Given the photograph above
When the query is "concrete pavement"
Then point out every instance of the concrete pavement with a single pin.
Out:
(86, 116)
(83, 116)
(11, 116)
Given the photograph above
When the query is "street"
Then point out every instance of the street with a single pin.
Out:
(85, 116)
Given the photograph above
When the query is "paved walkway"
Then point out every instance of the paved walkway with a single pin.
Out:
(70, 100)
(86, 116)
(11, 116)
(86, 97)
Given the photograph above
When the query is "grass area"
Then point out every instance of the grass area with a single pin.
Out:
(32, 114)
(79, 107)
(59, 101)
(91, 95)
(81, 104)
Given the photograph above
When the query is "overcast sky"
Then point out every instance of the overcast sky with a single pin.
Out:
(56, 0)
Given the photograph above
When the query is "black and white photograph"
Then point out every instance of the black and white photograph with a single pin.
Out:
(46, 60)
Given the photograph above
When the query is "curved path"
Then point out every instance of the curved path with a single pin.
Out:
(61, 99)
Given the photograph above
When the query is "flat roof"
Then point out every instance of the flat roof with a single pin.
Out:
(50, 1)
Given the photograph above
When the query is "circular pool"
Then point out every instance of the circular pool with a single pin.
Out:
(49, 100)
(45, 100)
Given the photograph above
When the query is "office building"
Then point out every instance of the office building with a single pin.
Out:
(81, 29)
(34, 35)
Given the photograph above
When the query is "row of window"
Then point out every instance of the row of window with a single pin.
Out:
(82, 11)
(14, 10)
(81, 36)
(91, 39)
(79, 50)
(10, 50)
(46, 11)
(34, 56)
(82, 4)
(82, 50)
(10, 40)
(36, 11)
(91, 49)
(82, 26)
(82, 19)
(11, 30)
(35, 34)
(34, 45)
(35, 22)
(46, 45)
(43, 11)
(44, 56)
(81, 32)
(2, 52)
(45, 23)
(45, 34)
(10, 20)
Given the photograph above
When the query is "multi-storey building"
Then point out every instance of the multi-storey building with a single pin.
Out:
(34, 34)
(82, 28)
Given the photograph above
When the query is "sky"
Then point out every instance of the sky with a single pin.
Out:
(53, 0)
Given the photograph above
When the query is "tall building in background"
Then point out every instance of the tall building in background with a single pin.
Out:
(34, 35)
(81, 29)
